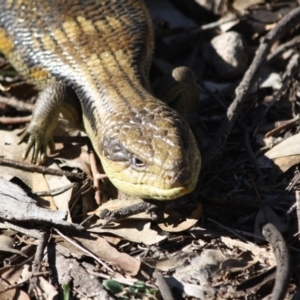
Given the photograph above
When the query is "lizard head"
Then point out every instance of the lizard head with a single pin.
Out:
(151, 153)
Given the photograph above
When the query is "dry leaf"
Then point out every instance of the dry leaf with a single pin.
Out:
(167, 264)
(193, 290)
(137, 231)
(11, 274)
(105, 251)
(44, 290)
(262, 255)
(289, 146)
(9, 147)
(102, 249)
(10, 150)
(74, 157)
(173, 220)
(242, 5)
(39, 184)
(244, 261)
(113, 240)
(36, 181)
(202, 268)
(270, 80)
(6, 244)
(12, 293)
(61, 200)
(285, 163)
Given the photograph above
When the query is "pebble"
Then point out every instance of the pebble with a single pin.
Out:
(227, 55)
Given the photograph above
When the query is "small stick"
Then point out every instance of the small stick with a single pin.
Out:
(283, 47)
(274, 237)
(228, 229)
(37, 260)
(249, 285)
(250, 153)
(15, 121)
(16, 103)
(56, 191)
(125, 212)
(95, 172)
(30, 232)
(163, 286)
(218, 23)
(298, 208)
(40, 169)
(86, 251)
(282, 126)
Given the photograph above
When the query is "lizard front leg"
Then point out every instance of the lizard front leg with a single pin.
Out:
(55, 99)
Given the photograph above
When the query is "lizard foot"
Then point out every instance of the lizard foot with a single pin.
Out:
(38, 140)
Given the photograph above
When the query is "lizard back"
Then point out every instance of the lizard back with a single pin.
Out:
(102, 50)
(71, 40)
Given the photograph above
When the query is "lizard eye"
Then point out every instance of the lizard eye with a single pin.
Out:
(137, 163)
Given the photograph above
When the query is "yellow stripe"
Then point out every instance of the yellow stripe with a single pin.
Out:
(86, 25)
(6, 43)
(38, 74)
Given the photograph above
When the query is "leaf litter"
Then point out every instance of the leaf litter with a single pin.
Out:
(208, 245)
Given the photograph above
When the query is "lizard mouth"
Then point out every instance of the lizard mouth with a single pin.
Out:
(146, 191)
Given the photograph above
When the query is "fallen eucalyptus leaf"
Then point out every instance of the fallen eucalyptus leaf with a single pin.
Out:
(6, 244)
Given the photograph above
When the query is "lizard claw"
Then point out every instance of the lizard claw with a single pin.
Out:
(37, 141)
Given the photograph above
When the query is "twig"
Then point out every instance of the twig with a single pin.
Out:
(218, 23)
(283, 125)
(249, 285)
(56, 191)
(40, 169)
(291, 65)
(250, 152)
(228, 229)
(274, 237)
(219, 101)
(292, 184)
(30, 232)
(125, 212)
(283, 47)
(95, 172)
(260, 200)
(37, 260)
(163, 286)
(15, 121)
(242, 91)
(85, 186)
(297, 294)
(87, 219)
(294, 181)
(298, 208)
(16, 103)
(287, 78)
(86, 251)
(126, 281)
(252, 235)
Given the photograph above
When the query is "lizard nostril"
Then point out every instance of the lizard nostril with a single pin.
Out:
(180, 179)
(168, 179)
